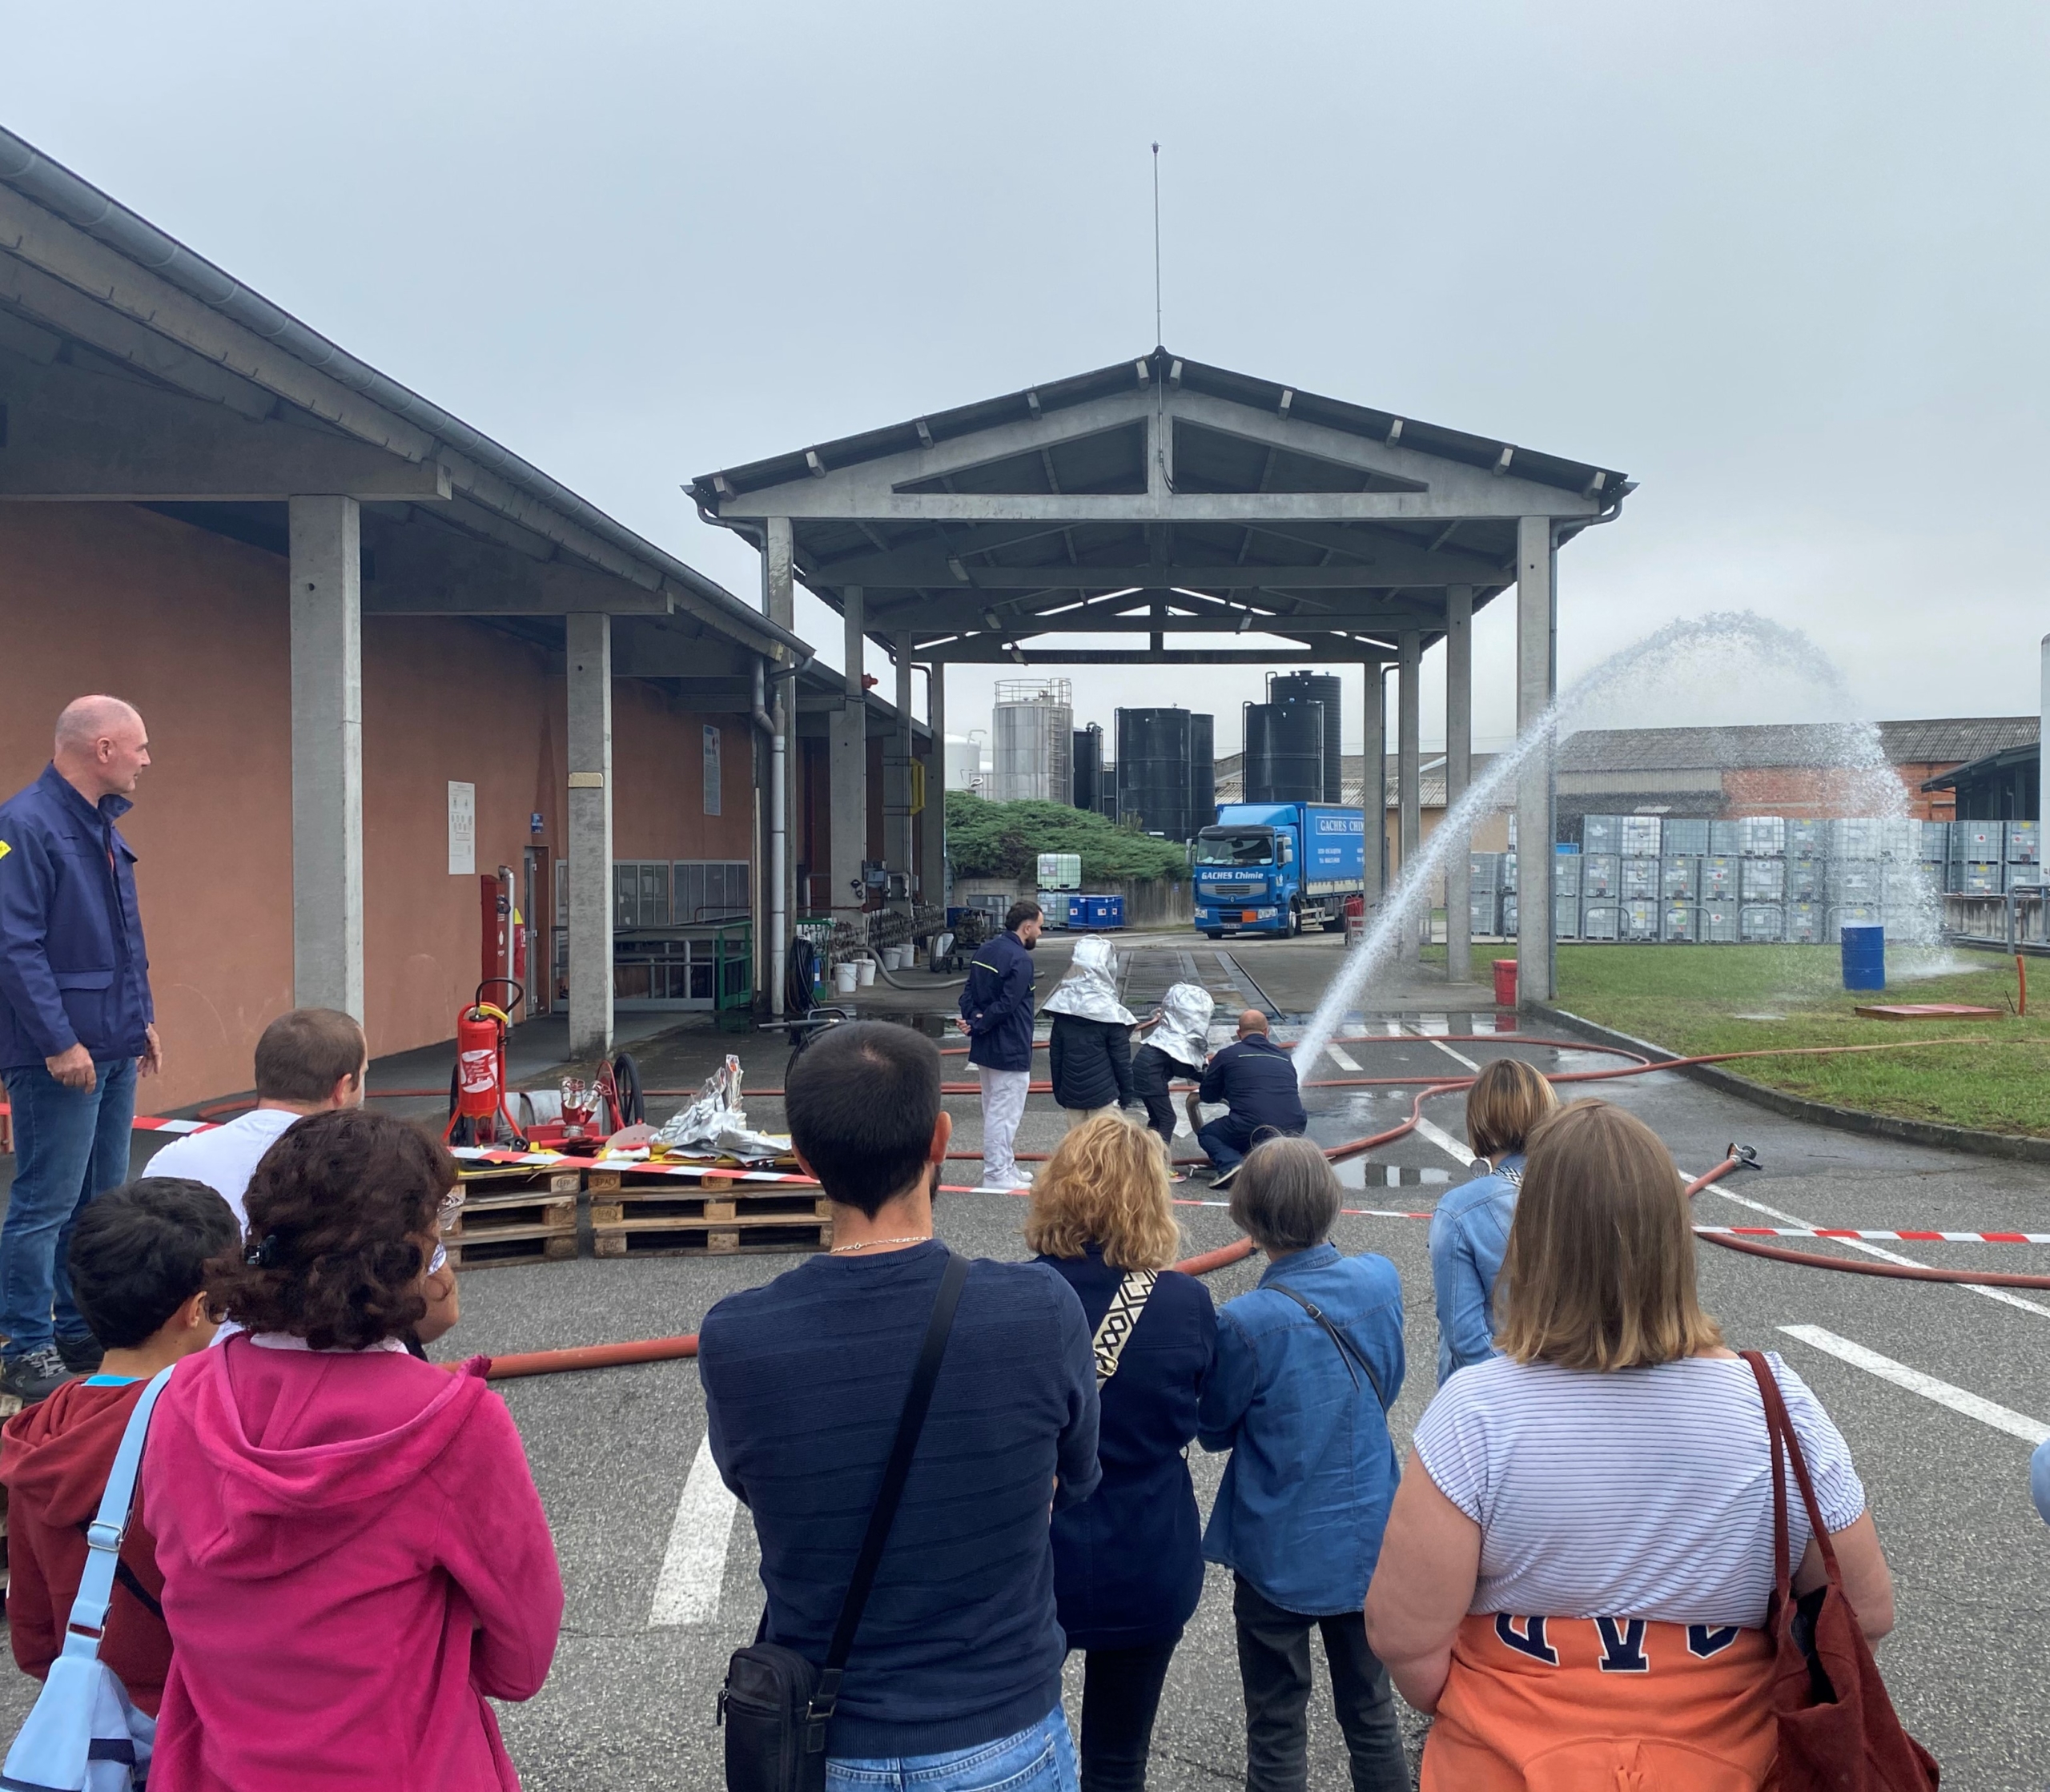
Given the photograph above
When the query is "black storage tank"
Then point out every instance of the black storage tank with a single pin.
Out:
(1284, 753)
(1155, 771)
(1202, 773)
(1089, 767)
(1318, 687)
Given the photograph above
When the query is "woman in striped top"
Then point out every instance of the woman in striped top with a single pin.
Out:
(1577, 1566)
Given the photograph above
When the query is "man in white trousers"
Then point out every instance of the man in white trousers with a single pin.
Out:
(996, 1014)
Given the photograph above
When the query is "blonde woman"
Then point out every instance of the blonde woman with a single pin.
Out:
(1469, 1227)
(1127, 1560)
(1575, 1574)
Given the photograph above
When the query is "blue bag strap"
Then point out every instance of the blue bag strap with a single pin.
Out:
(109, 1528)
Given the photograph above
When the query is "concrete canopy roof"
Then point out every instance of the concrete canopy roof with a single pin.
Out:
(134, 370)
(1158, 496)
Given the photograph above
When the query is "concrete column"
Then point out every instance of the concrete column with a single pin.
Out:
(1409, 769)
(848, 753)
(779, 603)
(588, 644)
(1458, 774)
(1537, 683)
(326, 755)
(932, 858)
(1374, 788)
(897, 770)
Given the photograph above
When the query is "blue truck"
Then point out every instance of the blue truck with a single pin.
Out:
(1268, 867)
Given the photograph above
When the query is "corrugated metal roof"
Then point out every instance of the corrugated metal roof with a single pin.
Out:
(1933, 741)
(1352, 778)
(1266, 395)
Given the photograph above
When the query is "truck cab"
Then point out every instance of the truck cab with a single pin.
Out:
(1268, 868)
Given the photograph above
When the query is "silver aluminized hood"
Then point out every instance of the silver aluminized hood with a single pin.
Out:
(1184, 1033)
(1090, 989)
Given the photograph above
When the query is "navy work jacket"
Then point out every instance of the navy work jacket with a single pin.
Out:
(1257, 1080)
(997, 1004)
(1305, 1497)
(72, 970)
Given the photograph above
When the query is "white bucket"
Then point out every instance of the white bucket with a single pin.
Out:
(896, 957)
(845, 975)
(864, 972)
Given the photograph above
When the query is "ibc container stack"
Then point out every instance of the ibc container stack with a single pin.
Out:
(1767, 878)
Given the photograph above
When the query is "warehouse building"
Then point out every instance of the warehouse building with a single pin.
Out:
(394, 675)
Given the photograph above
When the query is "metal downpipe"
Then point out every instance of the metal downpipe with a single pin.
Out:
(772, 726)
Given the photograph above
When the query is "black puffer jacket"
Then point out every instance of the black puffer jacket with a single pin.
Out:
(1092, 1061)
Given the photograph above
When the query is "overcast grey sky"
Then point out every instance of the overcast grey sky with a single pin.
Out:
(1785, 265)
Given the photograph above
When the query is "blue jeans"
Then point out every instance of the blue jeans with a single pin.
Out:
(69, 1145)
(1040, 1758)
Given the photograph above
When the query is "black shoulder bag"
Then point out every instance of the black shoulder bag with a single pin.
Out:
(1349, 1353)
(775, 1705)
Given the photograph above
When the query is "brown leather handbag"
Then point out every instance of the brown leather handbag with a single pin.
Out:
(1837, 1729)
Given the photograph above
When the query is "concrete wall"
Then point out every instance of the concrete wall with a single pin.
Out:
(193, 629)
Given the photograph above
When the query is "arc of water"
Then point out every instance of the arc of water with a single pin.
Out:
(1728, 635)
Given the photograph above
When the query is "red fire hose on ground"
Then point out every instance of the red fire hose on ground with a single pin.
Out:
(656, 1350)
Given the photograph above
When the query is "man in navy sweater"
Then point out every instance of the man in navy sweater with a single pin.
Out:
(1254, 1078)
(996, 1014)
(954, 1678)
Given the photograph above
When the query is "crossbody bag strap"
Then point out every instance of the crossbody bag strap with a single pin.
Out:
(1779, 1422)
(109, 1528)
(884, 1512)
(1349, 1352)
(1120, 1320)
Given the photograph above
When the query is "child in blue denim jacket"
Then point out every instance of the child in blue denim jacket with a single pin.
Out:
(1307, 1366)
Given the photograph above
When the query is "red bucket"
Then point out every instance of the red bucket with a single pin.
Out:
(1505, 983)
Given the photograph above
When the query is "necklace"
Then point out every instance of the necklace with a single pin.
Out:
(870, 1243)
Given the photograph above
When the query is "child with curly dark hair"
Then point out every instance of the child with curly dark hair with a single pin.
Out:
(354, 1555)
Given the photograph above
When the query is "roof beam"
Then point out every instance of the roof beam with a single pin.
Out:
(822, 503)
(1341, 652)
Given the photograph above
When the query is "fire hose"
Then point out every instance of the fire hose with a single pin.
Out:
(653, 1350)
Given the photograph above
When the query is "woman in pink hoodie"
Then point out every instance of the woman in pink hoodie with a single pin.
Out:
(354, 1555)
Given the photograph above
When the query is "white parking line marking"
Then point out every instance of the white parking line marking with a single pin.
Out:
(1344, 1060)
(2000, 1295)
(1958, 1400)
(694, 1565)
(1456, 1057)
(1444, 1140)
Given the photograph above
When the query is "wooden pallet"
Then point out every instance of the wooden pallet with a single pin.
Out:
(687, 1220)
(520, 1209)
(642, 1233)
(654, 1177)
(688, 1203)
(511, 1244)
(504, 1178)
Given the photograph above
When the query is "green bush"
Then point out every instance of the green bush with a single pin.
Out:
(1005, 840)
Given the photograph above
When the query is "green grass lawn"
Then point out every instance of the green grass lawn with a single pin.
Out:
(1706, 999)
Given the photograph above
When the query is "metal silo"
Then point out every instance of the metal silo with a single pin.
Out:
(1156, 775)
(1033, 740)
(1089, 767)
(1202, 772)
(1284, 753)
(1324, 687)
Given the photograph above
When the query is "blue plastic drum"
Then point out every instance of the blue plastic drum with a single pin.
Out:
(1864, 957)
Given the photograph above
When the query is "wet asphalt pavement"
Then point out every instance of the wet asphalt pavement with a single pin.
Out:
(630, 1703)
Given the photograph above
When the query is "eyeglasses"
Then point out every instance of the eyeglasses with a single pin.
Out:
(452, 1204)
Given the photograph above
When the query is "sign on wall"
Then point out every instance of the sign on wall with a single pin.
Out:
(711, 770)
(462, 829)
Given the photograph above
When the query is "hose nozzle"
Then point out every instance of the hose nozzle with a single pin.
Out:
(1745, 1156)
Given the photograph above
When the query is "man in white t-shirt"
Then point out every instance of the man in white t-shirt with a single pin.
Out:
(307, 1061)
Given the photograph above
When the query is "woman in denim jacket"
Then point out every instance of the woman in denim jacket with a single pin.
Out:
(1307, 1366)
(1469, 1230)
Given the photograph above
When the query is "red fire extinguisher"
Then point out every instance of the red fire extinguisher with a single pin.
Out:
(478, 1107)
